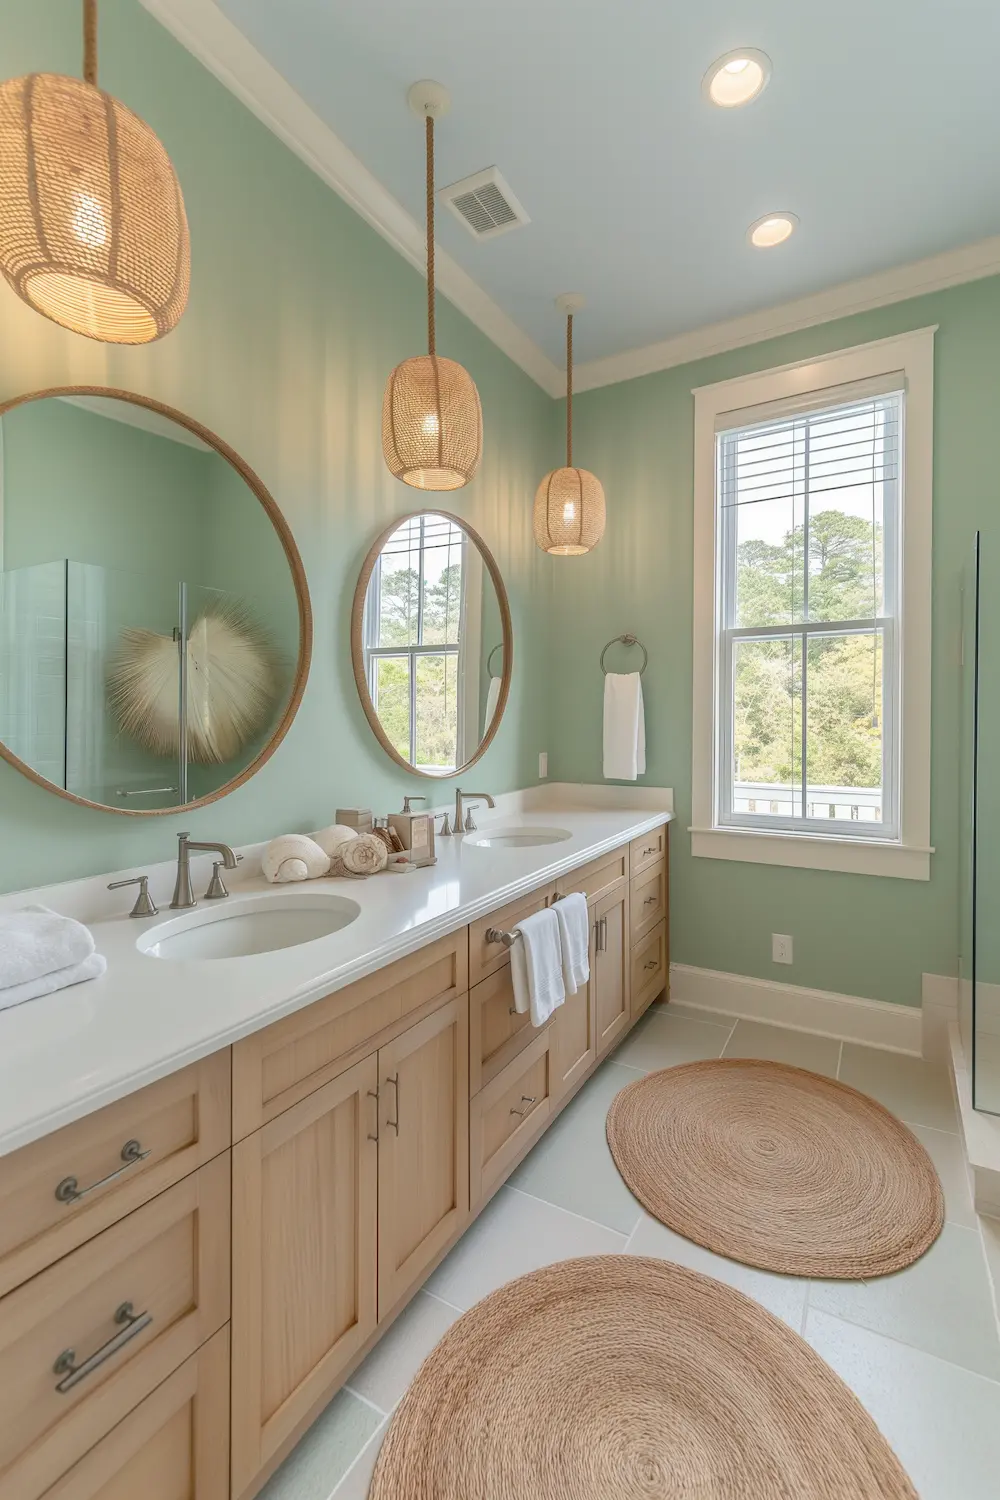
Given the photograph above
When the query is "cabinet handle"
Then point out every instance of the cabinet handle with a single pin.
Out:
(373, 1094)
(648, 851)
(72, 1373)
(604, 934)
(527, 1099)
(394, 1080)
(70, 1191)
(650, 901)
(599, 935)
(512, 1010)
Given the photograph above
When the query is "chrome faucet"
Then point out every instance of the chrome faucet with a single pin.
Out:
(462, 797)
(182, 888)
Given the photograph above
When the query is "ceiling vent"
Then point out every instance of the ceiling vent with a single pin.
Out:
(485, 204)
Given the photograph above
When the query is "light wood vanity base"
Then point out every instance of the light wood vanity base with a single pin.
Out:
(188, 1276)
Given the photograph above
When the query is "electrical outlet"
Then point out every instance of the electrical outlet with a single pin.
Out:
(543, 765)
(781, 948)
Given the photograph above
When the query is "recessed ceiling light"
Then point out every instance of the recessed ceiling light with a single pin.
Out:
(772, 229)
(737, 77)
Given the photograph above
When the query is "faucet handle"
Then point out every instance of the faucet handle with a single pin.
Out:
(445, 829)
(144, 906)
(217, 886)
(470, 822)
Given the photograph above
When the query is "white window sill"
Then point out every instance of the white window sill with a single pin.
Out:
(802, 852)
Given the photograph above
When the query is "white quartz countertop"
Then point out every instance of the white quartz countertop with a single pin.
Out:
(67, 1054)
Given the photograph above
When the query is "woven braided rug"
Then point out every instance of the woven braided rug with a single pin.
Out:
(622, 1378)
(777, 1167)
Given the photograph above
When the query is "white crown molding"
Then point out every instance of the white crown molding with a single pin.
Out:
(951, 268)
(202, 28)
(211, 37)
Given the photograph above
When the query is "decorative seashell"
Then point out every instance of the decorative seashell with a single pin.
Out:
(365, 855)
(330, 839)
(293, 857)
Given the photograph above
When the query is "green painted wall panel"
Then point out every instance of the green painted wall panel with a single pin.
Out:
(854, 934)
(298, 312)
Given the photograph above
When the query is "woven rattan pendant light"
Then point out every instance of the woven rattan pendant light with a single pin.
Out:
(93, 232)
(569, 503)
(432, 422)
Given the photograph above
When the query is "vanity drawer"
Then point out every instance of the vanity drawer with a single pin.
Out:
(598, 878)
(650, 969)
(647, 849)
(277, 1067)
(649, 900)
(496, 1032)
(507, 1115)
(485, 957)
(174, 1446)
(176, 1124)
(168, 1264)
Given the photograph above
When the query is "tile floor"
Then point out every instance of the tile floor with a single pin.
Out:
(920, 1348)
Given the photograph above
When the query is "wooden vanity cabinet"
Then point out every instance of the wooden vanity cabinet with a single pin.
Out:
(340, 1205)
(611, 968)
(305, 1238)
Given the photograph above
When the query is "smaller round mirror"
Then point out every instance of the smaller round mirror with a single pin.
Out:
(431, 642)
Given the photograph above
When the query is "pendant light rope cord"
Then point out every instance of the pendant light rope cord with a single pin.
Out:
(90, 42)
(431, 331)
(569, 390)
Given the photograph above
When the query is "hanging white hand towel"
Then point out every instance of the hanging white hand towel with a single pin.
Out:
(36, 941)
(574, 934)
(492, 699)
(47, 984)
(624, 727)
(536, 966)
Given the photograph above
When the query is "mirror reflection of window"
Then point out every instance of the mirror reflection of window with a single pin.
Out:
(421, 633)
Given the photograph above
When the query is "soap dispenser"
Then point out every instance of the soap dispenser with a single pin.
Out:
(416, 832)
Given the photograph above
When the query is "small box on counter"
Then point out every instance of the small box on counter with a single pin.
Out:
(358, 818)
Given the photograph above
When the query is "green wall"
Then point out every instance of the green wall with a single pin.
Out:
(858, 935)
(298, 312)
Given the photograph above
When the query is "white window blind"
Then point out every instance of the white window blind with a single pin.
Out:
(808, 589)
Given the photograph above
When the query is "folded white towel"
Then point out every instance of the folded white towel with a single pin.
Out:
(492, 699)
(536, 966)
(91, 967)
(624, 727)
(574, 935)
(36, 941)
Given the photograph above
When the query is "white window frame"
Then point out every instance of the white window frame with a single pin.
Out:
(906, 363)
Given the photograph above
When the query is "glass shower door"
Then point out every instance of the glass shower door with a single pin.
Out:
(984, 624)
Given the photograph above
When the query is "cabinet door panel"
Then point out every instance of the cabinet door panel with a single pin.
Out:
(304, 1249)
(574, 1034)
(611, 969)
(423, 1171)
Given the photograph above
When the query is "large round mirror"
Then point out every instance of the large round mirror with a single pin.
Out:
(431, 642)
(155, 628)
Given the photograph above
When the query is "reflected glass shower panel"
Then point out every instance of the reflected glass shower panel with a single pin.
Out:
(33, 667)
(986, 835)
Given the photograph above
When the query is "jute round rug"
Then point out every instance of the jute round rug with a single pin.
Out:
(777, 1167)
(618, 1378)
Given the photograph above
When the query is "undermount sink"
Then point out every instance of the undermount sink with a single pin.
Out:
(242, 926)
(524, 837)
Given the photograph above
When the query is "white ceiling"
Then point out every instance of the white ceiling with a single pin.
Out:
(880, 129)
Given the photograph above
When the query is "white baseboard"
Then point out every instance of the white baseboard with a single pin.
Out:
(847, 1018)
(939, 1002)
(980, 1134)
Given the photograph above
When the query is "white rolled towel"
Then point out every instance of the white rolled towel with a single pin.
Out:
(35, 941)
(330, 839)
(365, 855)
(293, 857)
(91, 967)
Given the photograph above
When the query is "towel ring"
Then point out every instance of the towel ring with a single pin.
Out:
(626, 640)
(489, 659)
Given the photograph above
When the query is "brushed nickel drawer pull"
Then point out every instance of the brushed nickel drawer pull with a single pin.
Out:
(132, 1323)
(648, 851)
(70, 1191)
(527, 1099)
(373, 1094)
(394, 1080)
(652, 964)
(512, 1010)
(651, 900)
